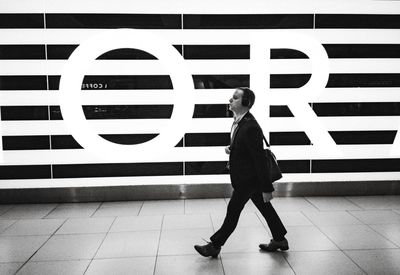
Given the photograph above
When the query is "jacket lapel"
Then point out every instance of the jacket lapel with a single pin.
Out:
(247, 117)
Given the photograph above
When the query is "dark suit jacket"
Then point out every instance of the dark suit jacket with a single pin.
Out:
(247, 158)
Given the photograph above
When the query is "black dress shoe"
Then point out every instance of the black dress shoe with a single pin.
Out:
(208, 250)
(275, 245)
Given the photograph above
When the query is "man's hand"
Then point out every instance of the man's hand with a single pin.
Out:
(227, 150)
(267, 197)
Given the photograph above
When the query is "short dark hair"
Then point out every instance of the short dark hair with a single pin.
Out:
(248, 97)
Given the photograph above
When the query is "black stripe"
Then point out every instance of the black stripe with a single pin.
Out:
(200, 81)
(280, 111)
(68, 142)
(205, 168)
(363, 50)
(25, 172)
(357, 21)
(355, 165)
(357, 109)
(289, 138)
(21, 20)
(64, 52)
(119, 112)
(24, 113)
(117, 170)
(216, 51)
(294, 166)
(289, 80)
(19, 82)
(220, 52)
(363, 137)
(220, 81)
(364, 80)
(207, 139)
(111, 21)
(120, 82)
(248, 21)
(22, 52)
(211, 111)
(26, 142)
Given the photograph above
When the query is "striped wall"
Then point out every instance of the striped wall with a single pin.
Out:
(128, 97)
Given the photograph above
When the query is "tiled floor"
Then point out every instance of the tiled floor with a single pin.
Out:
(327, 235)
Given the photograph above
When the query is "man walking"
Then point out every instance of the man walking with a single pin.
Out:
(248, 175)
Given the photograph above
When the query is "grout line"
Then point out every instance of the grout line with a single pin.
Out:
(352, 202)
(51, 211)
(319, 210)
(158, 247)
(94, 212)
(40, 247)
(370, 226)
(105, 236)
(340, 249)
(140, 209)
(220, 255)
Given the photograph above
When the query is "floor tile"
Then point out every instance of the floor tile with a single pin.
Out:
(131, 266)
(245, 220)
(308, 238)
(332, 203)
(205, 206)
(181, 242)
(34, 227)
(188, 264)
(69, 247)
(113, 209)
(129, 244)
(137, 223)
(322, 262)
(86, 225)
(163, 207)
(55, 268)
(19, 248)
(356, 237)
(4, 224)
(246, 239)
(377, 216)
(5, 207)
(28, 211)
(255, 263)
(390, 231)
(292, 218)
(331, 218)
(9, 268)
(292, 204)
(376, 202)
(377, 262)
(187, 221)
(74, 210)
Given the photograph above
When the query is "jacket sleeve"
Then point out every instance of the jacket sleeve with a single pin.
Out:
(255, 148)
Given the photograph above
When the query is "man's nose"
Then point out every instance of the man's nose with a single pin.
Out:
(230, 100)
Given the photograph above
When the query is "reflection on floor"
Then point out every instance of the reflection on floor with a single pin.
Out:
(327, 235)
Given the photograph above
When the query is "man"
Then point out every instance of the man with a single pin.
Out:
(248, 175)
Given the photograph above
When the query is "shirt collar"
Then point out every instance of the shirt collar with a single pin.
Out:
(239, 118)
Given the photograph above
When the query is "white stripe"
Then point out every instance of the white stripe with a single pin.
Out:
(152, 67)
(204, 37)
(202, 96)
(198, 125)
(214, 153)
(199, 7)
(196, 179)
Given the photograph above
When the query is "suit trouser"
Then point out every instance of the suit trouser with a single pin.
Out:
(235, 207)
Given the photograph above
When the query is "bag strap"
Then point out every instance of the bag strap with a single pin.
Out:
(266, 142)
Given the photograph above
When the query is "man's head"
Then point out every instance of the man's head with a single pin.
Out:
(242, 100)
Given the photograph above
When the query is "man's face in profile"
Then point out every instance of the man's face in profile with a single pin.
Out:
(235, 103)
